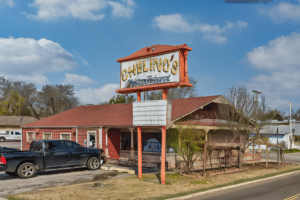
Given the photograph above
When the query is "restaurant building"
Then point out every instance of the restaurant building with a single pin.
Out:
(136, 133)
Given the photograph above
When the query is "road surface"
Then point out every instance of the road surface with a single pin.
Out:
(285, 187)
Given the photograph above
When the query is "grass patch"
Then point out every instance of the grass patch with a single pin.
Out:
(227, 184)
(13, 198)
(201, 181)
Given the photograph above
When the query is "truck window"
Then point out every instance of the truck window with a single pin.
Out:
(71, 145)
(17, 133)
(36, 146)
(7, 132)
(55, 145)
(11, 133)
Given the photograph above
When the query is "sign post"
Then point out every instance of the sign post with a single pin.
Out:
(158, 67)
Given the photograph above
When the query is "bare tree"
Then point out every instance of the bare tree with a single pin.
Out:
(53, 99)
(176, 93)
(242, 114)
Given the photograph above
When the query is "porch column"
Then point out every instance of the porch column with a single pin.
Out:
(163, 147)
(100, 138)
(76, 134)
(106, 142)
(132, 144)
(139, 135)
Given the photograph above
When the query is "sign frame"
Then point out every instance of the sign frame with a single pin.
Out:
(182, 67)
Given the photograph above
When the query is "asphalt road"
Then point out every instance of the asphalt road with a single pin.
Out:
(285, 187)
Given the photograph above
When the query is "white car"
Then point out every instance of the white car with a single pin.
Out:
(10, 135)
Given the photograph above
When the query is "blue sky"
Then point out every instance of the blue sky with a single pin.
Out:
(78, 41)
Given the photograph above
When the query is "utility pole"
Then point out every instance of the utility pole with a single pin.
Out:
(291, 135)
(256, 101)
(277, 150)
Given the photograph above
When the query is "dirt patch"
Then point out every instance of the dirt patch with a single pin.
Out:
(149, 186)
(99, 177)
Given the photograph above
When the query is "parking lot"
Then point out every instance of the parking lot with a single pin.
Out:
(16, 145)
(13, 185)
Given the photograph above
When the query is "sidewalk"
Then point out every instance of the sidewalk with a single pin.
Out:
(145, 170)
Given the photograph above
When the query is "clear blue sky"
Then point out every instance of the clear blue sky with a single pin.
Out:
(78, 41)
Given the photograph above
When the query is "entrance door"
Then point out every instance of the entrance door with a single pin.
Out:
(91, 139)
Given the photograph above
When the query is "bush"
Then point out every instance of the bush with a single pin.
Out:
(291, 151)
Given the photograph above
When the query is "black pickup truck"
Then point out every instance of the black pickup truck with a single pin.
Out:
(49, 154)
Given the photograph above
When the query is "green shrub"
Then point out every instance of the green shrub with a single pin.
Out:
(291, 150)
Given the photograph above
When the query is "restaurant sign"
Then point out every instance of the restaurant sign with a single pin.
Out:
(149, 71)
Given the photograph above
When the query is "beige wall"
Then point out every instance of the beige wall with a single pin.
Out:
(10, 129)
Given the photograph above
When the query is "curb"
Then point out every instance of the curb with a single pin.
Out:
(231, 186)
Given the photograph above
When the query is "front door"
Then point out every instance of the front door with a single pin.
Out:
(91, 139)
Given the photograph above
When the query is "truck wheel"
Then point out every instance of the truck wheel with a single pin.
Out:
(2, 139)
(93, 163)
(26, 170)
(11, 173)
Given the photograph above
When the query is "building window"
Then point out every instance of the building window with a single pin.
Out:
(65, 136)
(47, 136)
(30, 136)
(152, 145)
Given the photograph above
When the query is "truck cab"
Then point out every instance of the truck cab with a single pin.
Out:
(10, 135)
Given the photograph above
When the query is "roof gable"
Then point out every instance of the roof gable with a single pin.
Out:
(184, 107)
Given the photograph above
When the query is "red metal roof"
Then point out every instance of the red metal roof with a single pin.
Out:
(113, 114)
(154, 50)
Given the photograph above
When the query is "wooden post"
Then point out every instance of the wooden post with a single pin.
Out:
(204, 156)
(240, 158)
(253, 155)
(267, 156)
(139, 134)
(204, 159)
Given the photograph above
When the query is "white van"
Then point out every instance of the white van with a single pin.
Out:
(10, 135)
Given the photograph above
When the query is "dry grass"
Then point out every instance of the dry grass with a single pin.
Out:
(147, 187)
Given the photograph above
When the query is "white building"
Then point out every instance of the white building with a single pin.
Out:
(289, 136)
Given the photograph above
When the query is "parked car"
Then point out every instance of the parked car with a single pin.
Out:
(10, 135)
(50, 154)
